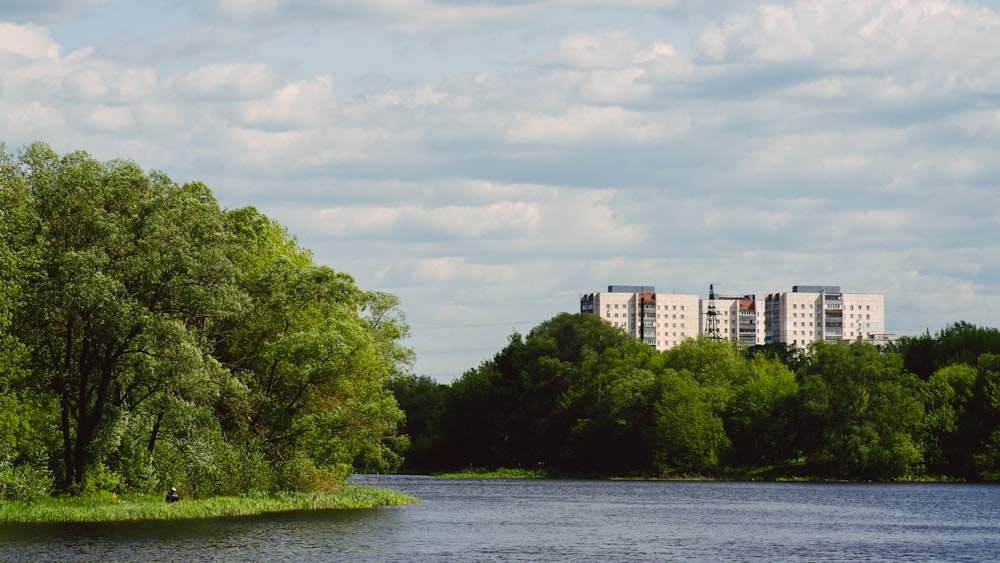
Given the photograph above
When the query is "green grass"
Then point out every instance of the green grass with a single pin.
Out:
(76, 509)
(501, 473)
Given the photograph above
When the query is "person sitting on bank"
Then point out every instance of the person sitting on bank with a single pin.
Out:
(172, 495)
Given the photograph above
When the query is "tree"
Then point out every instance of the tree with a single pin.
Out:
(960, 343)
(130, 266)
(313, 353)
(422, 400)
(689, 433)
(861, 412)
(755, 416)
(945, 396)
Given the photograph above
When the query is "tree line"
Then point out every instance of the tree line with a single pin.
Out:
(150, 338)
(578, 397)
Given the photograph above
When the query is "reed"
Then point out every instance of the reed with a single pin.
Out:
(106, 509)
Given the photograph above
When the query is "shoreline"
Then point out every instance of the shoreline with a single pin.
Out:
(153, 508)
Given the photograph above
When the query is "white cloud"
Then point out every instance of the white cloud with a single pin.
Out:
(28, 41)
(228, 80)
(299, 104)
(557, 146)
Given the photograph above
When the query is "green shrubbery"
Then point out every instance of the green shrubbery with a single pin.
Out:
(24, 481)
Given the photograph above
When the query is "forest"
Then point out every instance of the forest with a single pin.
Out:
(577, 397)
(150, 338)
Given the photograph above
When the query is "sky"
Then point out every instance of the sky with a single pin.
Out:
(487, 161)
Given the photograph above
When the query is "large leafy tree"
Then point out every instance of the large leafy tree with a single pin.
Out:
(313, 353)
(756, 415)
(858, 412)
(945, 396)
(130, 267)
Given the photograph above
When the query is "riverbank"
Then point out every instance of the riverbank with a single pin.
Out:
(146, 507)
(500, 473)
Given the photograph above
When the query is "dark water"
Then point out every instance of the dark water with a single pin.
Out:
(523, 520)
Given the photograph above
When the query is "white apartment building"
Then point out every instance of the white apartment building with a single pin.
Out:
(811, 313)
(737, 319)
(662, 320)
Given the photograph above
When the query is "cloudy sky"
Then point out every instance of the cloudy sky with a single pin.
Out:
(489, 160)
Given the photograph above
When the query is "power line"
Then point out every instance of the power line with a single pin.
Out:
(473, 325)
(458, 350)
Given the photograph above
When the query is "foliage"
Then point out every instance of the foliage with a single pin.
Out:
(150, 338)
(576, 396)
(421, 399)
(862, 411)
(960, 343)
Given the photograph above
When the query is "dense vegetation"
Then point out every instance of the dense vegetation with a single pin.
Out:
(579, 397)
(150, 338)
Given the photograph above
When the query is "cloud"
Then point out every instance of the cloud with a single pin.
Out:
(228, 81)
(27, 41)
(45, 11)
(533, 150)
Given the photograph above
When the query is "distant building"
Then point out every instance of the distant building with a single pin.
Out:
(737, 319)
(662, 320)
(808, 313)
(811, 313)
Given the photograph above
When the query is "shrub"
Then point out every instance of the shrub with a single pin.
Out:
(24, 482)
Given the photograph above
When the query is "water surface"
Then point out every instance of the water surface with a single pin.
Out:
(542, 520)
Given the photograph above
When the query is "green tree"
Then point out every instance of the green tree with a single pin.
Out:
(689, 432)
(861, 411)
(980, 424)
(422, 401)
(313, 354)
(960, 343)
(945, 395)
(131, 266)
(756, 415)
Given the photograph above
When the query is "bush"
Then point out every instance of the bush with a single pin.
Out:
(24, 482)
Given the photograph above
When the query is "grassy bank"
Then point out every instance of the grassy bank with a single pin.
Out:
(74, 509)
(501, 473)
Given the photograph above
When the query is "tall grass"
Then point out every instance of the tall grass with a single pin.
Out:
(500, 473)
(75, 509)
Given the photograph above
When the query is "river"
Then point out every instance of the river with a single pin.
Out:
(542, 520)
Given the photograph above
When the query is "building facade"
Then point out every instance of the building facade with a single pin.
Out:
(808, 313)
(737, 319)
(662, 320)
(811, 313)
